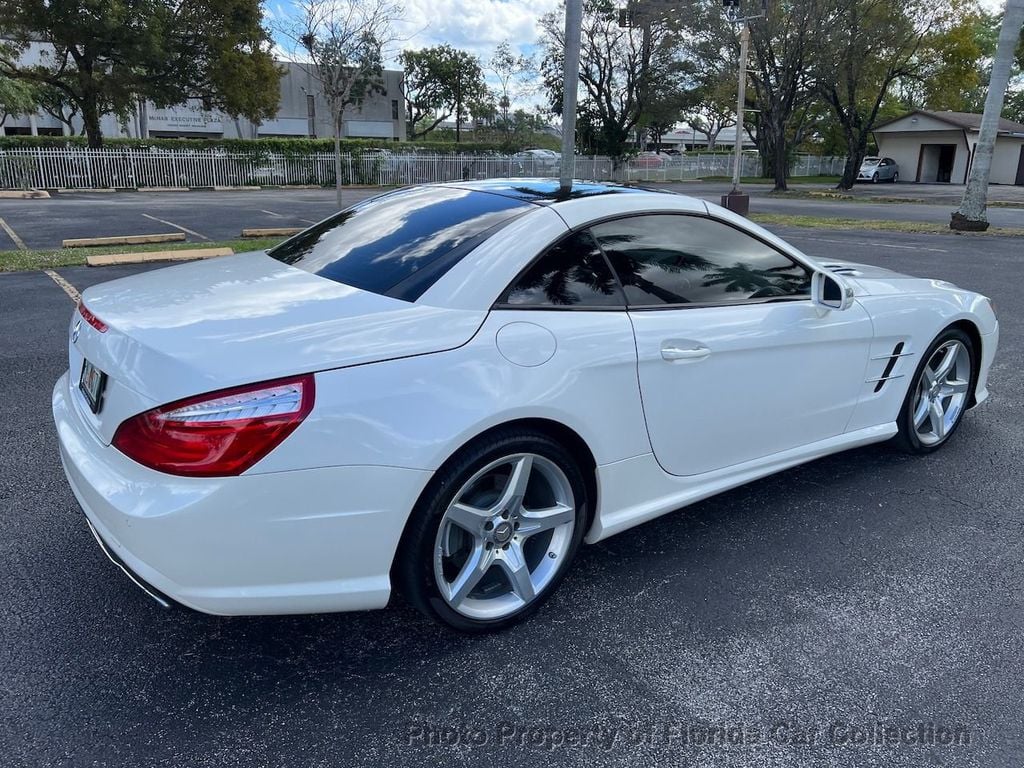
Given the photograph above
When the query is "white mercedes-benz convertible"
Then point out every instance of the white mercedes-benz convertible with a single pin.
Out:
(444, 390)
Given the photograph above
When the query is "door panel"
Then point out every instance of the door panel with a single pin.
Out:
(727, 384)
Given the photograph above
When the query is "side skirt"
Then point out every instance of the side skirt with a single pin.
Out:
(621, 483)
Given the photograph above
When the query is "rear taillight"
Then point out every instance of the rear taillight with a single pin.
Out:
(218, 434)
(91, 319)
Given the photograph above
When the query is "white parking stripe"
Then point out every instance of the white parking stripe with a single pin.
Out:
(69, 289)
(177, 226)
(13, 235)
(263, 210)
(877, 243)
(309, 221)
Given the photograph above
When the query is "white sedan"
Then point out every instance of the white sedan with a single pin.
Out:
(446, 389)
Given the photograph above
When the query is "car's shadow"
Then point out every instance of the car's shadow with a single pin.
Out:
(716, 569)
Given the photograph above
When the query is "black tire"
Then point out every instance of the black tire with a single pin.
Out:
(413, 569)
(874, 179)
(895, 178)
(908, 439)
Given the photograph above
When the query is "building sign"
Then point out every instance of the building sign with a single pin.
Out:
(187, 118)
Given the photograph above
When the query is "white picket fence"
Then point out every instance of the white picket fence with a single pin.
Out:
(133, 168)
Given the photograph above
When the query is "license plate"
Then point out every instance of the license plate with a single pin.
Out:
(92, 382)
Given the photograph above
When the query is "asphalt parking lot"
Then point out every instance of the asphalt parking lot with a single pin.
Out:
(781, 621)
(211, 216)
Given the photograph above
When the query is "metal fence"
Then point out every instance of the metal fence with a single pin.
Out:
(133, 168)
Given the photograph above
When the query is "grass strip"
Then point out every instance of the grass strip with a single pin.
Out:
(13, 261)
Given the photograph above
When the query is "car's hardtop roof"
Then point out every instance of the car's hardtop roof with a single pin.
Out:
(547, 191)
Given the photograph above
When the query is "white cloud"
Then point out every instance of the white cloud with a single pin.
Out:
(473, 25)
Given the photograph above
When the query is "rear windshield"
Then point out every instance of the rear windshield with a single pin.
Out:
(399, 244)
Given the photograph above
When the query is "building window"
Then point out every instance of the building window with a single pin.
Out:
(310, 116)
(394, 109)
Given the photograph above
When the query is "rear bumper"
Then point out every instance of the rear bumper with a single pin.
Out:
(303, 541)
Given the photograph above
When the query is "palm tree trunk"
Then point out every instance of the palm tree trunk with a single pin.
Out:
(971, 214)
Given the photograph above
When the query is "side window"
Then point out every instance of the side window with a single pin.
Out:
(679, 259)
(573, 273)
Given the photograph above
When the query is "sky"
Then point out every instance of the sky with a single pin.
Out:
(472, 25)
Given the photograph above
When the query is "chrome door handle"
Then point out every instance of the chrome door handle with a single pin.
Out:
(679, 353)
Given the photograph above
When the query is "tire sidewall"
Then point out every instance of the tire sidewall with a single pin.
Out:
(415, 566)
(908, 433)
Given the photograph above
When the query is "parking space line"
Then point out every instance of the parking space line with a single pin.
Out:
(309, 221)
(177, 226)
(878, 243)
(13, 235)
(263, 210)
(68, 288)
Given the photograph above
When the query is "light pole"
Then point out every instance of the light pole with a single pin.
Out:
(571, 74)
(735, 200)
(741, 103)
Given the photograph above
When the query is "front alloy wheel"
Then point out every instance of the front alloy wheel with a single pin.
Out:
(942, 392)
(939, 393)
(494, 532)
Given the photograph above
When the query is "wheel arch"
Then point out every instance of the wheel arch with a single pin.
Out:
(974, 334)
(565, 435)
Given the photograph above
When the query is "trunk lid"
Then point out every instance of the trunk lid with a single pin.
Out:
(208, 325)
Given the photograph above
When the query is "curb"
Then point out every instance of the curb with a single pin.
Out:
(24, 194)
(162, 189)
(272, 232)
(141, 257)
(82, 242)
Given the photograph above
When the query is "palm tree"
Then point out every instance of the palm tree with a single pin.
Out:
(971, 214)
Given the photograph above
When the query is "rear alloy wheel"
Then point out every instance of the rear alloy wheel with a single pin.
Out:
(488, 549)
(895, 178)
(939, 394)
(874, 178)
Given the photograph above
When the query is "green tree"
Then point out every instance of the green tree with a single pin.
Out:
(618, 66)
(869, 44)
(714, 105)
(467, 88)
(16, 98)
(342, 47)
(426, 87)
(108, 54)
(512, 73)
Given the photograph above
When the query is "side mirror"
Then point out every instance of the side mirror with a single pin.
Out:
(829, 291)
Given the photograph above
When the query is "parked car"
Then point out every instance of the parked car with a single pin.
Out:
(876, 169)
(447, 389)
(650, 160)
(537, 161)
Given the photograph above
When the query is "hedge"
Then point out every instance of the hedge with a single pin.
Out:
(258, 146)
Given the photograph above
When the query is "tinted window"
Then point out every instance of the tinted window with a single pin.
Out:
(573, 273)
(399, 244)
(694, 260)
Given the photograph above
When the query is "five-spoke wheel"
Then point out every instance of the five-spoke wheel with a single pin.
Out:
(496, 531)
(939, 393)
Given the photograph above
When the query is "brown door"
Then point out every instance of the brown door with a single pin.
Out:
(1020, 169)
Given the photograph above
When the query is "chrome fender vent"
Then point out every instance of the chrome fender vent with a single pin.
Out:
(891, 359)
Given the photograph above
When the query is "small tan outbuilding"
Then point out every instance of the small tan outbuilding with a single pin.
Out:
(939, 147)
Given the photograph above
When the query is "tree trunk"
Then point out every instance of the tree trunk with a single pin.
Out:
(337, 158)
(771, 143)
(91, 120)
(971, 214)
(857, 150)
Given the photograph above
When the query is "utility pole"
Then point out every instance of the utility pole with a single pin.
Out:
(573, 24)
(735, 200)
(741, 103)
(971, 214)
